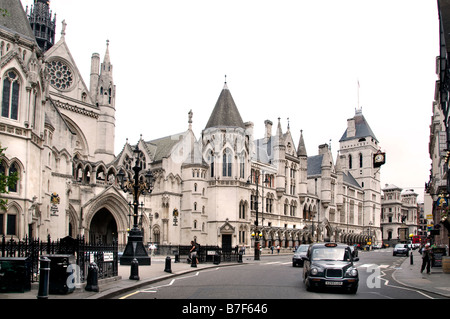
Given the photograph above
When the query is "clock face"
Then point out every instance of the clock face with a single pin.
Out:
(61, 75)
(379, 158)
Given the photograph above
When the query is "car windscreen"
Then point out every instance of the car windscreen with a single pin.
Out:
(302, 249)
(327, 253)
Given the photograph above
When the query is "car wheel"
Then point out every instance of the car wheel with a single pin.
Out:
(353, 290)
(307, 285)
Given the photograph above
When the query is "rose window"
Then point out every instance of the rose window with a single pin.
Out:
(61, 76)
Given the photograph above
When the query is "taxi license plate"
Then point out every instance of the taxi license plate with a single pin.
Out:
(333, 283)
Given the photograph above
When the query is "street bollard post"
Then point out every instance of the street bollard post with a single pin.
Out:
(240, 257)
(168, 267)
(411, 258)
(92, 278)
(134, 271)
(177, 257)
(44, 278)
(194, 260)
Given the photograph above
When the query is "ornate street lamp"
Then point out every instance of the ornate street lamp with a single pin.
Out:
(138, 185)
(257, 235)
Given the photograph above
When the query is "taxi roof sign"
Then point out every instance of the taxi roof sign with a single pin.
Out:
(330, 245)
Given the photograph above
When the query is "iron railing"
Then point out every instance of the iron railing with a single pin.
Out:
(105, 256)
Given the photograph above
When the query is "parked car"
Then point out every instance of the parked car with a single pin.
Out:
(401, 249)
(299, 254)
(330, 265)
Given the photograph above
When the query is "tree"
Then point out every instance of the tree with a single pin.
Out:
(6, 182)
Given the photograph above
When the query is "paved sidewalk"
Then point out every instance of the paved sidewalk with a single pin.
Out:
(409, 275)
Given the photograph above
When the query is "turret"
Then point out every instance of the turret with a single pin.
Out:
(279, 160)
(303, 157)
(95, 73)
(106, 93)
(42, 23)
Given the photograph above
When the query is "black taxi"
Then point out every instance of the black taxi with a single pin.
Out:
(330, 265)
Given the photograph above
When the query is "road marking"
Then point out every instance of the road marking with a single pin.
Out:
(154, 289)
(372, 265)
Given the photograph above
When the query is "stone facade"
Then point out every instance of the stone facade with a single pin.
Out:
(209, 188)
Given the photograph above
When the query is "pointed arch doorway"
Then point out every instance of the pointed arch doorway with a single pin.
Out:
(103, 228)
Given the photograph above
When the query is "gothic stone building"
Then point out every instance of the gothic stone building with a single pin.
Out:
(59, 134)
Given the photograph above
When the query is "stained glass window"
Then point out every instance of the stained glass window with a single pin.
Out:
(10, 96)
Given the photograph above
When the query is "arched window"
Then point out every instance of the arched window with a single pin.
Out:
(12, 171)
(360, 160)
(227, 163)
(242, 210)
(10, 96)
(211, 163)
(242, 166)
(350, 162)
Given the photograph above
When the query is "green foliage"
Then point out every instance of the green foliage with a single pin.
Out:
(5, 182)
(4, 12)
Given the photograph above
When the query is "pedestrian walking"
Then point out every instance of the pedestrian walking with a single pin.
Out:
(427, 254)
(278, 249)
(193, 251)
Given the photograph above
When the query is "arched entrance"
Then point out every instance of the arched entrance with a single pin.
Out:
(103, 228)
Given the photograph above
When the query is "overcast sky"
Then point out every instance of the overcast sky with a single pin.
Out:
(296, 59)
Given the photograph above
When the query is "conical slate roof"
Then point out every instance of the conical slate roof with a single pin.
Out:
(225, 113)
(301, 151)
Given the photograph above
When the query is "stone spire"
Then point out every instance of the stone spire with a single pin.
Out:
(225, 113)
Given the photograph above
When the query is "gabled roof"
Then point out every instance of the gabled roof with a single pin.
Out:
(162, 147)
(350, 180)
(263, 150)
(225, 113)
(362, 128)
(315, 165)
(16, 20)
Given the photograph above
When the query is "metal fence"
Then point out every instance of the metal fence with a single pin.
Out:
(206, 253)
(105, 256)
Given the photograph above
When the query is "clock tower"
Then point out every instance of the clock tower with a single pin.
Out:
(362, 159)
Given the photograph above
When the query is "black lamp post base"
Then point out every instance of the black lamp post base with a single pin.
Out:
(135, 249)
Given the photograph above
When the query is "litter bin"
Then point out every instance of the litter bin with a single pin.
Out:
(15, 274)
(60, 283)
(216, 258)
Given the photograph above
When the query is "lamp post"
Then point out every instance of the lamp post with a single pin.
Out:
(256, 234)
(138, 185)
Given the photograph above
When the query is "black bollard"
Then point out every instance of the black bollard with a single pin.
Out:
(194, 260)
(44, 278)
(134, 272)
(240, 257)
(168, 265)
(92, 278)
(411, 258)
(177, 257)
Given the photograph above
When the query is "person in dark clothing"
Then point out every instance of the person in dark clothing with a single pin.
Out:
(426, 258)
